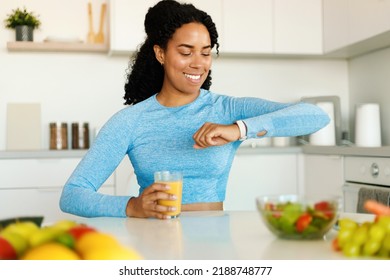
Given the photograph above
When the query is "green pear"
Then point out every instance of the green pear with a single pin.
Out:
(64, 224)
(44, 235)
(18, 242)
(25, 229)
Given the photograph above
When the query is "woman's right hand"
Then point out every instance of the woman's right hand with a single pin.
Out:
(146, 206)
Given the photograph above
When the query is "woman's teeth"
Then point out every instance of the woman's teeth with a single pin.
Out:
(192, 77)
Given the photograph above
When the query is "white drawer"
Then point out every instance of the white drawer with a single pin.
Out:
(369, 170)
(22, 173)
(36, 202)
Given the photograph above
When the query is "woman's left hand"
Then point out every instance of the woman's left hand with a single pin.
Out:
(212, 134)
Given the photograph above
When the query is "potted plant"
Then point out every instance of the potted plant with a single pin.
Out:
(23, 22)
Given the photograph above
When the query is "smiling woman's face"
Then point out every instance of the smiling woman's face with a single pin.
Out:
(187, 59)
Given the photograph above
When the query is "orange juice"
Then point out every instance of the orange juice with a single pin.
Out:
(176, 188)
(175, 181)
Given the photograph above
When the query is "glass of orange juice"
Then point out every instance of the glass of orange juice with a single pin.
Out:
(175, 182)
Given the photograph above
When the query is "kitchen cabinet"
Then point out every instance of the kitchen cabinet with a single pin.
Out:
(335, 24)
(127, 21)
(355, 27)
(247, 26)
(260, 174)
(298, 27)
(324, 175)
(127, 24)
(368, 18)
(33, 186)
(244, 27)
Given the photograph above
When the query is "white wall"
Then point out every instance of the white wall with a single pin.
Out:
(370, 82)
(89, 87)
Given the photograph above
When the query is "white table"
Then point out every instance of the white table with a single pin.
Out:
(212, 235)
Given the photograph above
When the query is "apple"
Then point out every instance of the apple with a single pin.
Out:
(80, 230)
(18, 242)
(24, 229)
(7, 252)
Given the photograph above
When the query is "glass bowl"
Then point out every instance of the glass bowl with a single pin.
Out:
(296, 217)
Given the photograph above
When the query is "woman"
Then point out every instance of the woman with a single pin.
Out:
(175, 123)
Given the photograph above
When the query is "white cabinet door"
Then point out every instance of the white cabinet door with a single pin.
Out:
(368, 18)
(36, 202)
(38, 172)
(127, 21)
(247, 26)
(335, 13)
(298, 27)
(22, 173)
(127, 24)
(323, 175)
(260, 174)
(357, 23)
(33, 186)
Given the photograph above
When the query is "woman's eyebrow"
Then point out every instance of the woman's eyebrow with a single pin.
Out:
(191, 47)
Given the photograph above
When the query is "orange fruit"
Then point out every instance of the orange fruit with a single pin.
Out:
(103, 246)
(112, 253)
(50, 251)
(93, 240)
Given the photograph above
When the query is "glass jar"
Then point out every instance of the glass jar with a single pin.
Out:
(58, 136)
(80, 135)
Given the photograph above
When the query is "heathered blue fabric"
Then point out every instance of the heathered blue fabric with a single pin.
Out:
(155, 137)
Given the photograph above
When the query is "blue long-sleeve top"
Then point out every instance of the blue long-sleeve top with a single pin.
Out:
(155, 137)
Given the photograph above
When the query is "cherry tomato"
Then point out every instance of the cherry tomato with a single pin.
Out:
(303, 222)
(335, 244)
(322, 206)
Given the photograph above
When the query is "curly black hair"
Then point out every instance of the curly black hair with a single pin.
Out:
(145, 74)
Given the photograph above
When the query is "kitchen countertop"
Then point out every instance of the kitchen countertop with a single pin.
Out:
(347, 150)
(208, 235)
(245, 150)
(42, 154)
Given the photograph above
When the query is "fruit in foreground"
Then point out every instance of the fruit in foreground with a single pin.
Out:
(50, 251)
(113, 253)
(44, 235)
(63, 240)
(24, 229)
(102, 246)
(65, 224)
(80, 230)
(7, 252)
(19, 243)
(95, 240)
(369, 239)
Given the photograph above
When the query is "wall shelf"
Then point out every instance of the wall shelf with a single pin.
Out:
(57, 47)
